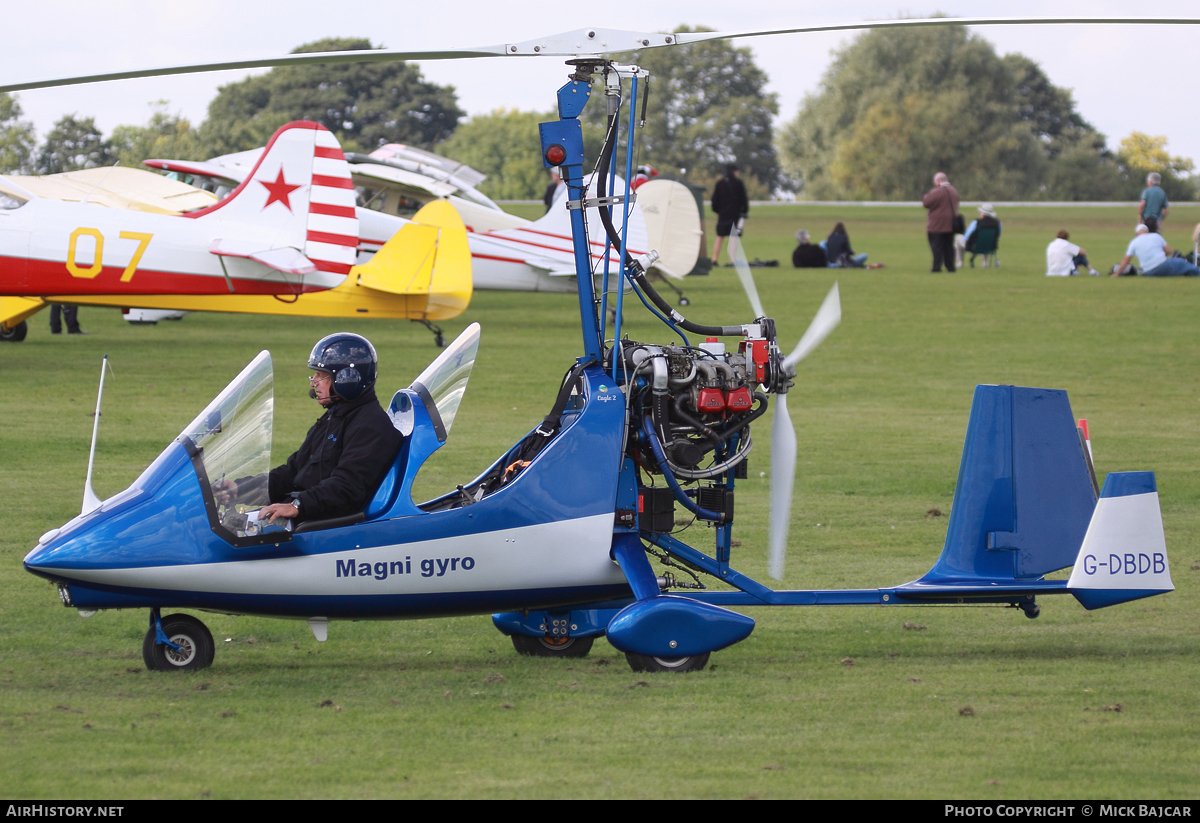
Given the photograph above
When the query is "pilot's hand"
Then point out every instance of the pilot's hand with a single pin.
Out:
(225, 492)
(278, 511)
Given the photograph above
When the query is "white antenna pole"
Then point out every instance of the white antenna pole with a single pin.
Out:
(90, 501)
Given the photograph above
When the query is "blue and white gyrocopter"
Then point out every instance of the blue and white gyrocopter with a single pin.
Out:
(558, 539)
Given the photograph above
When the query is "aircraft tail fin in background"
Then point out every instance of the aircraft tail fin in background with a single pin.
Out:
(299, 196)
(427, 260)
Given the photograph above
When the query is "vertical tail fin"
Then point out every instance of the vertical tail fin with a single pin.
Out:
(1024, 495)
(299, 196)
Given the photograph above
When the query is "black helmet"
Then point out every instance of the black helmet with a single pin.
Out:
(349, 359)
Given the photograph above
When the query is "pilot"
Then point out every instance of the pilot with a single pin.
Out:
(347, 451)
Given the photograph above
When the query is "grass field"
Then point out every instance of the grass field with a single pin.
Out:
(829, 702)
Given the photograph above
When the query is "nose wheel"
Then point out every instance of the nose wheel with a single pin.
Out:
(190, 648)
(646, 663)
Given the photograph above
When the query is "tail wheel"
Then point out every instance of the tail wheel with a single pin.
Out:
(196, 648)
(552, 646)
(646, 663)
(15, 334)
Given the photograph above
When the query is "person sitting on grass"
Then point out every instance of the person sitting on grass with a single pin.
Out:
(837, 248)
(808, 255)
(1153, 255)
(1064, 258)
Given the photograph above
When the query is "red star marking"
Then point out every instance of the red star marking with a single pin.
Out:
(280, 191)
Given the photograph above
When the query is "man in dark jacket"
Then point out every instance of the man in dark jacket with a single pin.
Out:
(730, 202)
(348, 450)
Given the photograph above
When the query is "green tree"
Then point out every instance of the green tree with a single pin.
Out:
(73, 143)
(164, 135)
(898, 105)
(708, 107)
(17, 137)
(505, 146)
(364, 104)
(1139, 154)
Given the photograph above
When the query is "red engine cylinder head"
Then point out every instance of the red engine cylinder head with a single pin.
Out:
(739, 400)
(710, 401)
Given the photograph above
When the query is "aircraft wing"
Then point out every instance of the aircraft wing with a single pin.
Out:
(119, 188)
(392, 174)
(286, 259)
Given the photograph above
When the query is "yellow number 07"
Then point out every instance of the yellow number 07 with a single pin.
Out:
(96, 267)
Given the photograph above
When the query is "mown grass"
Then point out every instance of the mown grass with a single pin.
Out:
(816, 703)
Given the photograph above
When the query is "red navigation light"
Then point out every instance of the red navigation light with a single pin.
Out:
(556, 154)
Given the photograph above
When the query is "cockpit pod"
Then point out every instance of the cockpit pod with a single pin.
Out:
(142, 547)
(170, 517)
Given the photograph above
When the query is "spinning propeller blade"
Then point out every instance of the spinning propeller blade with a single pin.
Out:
(742, 265)
(783, 434)
(825, 321)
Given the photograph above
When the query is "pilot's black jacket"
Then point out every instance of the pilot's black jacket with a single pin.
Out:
(341, 462)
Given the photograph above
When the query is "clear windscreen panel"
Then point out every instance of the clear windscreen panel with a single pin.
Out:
(446, 377)
(233, 433)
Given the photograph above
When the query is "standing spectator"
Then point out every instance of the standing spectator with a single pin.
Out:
(942, 203)
(808, 255)
(552, 189)
(730, 202)
(70, 313)
(1064, 258)
(1153, 253)
(1153, 204)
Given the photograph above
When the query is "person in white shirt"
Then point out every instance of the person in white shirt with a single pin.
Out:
(1063, 257)
(1153, 253)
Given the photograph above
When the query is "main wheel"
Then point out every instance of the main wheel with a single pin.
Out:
(194, 639)
(646, 663)
(552, 646)
(16, 334)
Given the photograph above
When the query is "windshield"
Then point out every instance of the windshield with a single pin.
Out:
(446, 377)
(233, 434)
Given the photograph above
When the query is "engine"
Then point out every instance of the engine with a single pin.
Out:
(690, 412)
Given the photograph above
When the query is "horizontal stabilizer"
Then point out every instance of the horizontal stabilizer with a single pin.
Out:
(1124, 554)
(286, 260)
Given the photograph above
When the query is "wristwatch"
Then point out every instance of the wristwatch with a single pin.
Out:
(295, 501)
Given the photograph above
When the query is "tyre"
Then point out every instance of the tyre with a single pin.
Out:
(16, 334)
(195, 642)
(646, 663)
(552, 646)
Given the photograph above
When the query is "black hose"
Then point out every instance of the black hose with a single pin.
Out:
(629, 264)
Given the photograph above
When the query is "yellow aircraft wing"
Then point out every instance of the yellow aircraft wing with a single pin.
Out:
(422, 273)
(119, 188)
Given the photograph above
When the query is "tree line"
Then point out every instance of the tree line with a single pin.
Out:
(893, 107)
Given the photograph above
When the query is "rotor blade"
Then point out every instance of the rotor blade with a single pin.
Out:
(742, 265)
(354, 56)
(825, 321)
(685, 37)
(580, 43)
(783, 478)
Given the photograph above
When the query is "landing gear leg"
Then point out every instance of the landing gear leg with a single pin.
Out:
(439, 339)
(683, 301)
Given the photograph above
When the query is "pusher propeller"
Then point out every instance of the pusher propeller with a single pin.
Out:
(783, 433)
(742, 266)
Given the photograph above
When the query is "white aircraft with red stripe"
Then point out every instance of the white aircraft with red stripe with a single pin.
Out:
(507, 252)
(289, 227)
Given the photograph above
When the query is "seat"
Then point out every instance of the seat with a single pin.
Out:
(986, 243)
